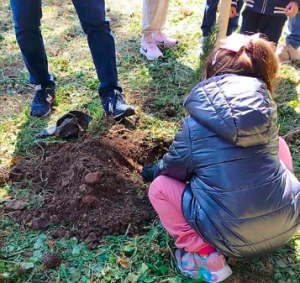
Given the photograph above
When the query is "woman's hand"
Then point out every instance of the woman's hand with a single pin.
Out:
(292, 9)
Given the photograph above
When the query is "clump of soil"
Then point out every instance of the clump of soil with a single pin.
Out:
(93, 187)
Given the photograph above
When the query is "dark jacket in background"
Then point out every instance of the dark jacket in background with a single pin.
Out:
(240, 197)
(269, 7)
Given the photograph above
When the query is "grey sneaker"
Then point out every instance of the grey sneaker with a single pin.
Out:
(286, 54)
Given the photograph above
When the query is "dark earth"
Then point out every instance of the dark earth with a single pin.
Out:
(93, 187)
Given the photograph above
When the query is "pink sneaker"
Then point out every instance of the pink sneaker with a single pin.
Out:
(149, 48)
(161, 39)
(211, 269)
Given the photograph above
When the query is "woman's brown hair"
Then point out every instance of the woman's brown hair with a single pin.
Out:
(244, 55)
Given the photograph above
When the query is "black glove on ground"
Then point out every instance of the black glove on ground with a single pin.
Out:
(148, 173)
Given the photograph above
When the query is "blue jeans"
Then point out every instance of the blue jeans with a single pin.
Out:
(209, 17)
(293, 34)
(27, 15)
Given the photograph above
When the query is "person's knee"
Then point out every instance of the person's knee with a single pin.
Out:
(156, 187)
(24, 23)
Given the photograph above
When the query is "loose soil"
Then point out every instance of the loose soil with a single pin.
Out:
(113, 204)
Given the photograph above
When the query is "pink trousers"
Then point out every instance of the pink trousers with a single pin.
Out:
(165, 195)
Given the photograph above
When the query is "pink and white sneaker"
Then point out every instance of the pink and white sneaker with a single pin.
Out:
(212, 269)
(149, 48)
(162, 39)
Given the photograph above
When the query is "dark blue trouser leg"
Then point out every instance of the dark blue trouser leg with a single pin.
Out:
(101, 41)
(27, 15)
(234, 22)
(209, 17)
(250, 23)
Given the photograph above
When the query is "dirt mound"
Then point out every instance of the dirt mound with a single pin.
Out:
(93, 187)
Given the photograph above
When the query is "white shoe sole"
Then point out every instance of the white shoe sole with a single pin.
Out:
(128, 112)
(222, 274)
(146, 54)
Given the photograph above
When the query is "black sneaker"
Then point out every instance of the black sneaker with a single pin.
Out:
(115, 106)
(43, 98)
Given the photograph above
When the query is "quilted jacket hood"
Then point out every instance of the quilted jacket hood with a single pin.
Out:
(237, 108)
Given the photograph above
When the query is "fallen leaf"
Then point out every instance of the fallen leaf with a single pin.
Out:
(16, 204)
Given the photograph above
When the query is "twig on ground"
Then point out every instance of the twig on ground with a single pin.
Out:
(127, 231)
(295, 131)
(122, 130)
(42, 150)
(30, 276)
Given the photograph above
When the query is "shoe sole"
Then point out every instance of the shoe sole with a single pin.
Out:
(149, 58)
(128, 112)
(222, 274)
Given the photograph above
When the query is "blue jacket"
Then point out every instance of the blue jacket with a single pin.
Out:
(239, 196)
(269, 7)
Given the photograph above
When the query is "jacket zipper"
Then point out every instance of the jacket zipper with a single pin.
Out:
(264, 6)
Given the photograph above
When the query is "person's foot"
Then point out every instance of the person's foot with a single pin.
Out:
(212, 268)
(286, 53)
(115, 106)
(162, 39)
(42, 100)
(149, 48)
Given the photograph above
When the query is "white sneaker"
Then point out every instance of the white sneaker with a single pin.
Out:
(162, 39)
(149, 48)
(286, 54)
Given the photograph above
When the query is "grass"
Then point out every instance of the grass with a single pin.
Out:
(154, 88)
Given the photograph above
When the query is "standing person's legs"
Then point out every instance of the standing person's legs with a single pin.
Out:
(250, 23)
(234, 22)
(293, 35)
(272, 27)
(209, 17)
(27, 15)
(101, 41)
(285, 153)
(154, 16)
(154, 19)
(102, 45)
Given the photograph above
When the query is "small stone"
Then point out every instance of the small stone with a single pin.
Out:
(54, 219)
(39, 224)
(93, 178)
(65, 183)
(28, 217)
(91, 238)
(82, 188)
(44, 215)
(16, 204)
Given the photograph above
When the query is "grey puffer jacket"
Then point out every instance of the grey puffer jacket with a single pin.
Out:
(239, 196)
